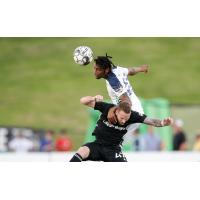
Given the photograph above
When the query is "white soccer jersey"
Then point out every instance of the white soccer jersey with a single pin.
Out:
(117, 84)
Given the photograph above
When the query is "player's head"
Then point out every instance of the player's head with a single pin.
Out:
(123, 112)
(102, 66)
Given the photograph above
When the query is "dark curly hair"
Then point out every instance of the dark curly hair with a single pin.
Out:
(104, 62)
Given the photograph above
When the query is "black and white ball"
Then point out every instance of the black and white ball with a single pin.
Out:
(83, 55)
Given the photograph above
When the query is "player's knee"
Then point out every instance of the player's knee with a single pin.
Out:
(84, 152)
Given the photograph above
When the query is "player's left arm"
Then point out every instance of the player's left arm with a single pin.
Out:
(157, 122)
(91, 100)
(135, 70)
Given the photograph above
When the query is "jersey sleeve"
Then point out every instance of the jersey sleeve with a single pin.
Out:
(124, 70)
(102, 106)
(137, 117)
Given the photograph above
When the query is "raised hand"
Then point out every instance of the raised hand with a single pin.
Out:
(167, 121)
(98, 98)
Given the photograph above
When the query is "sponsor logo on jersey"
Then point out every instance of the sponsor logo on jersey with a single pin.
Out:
(113, 126)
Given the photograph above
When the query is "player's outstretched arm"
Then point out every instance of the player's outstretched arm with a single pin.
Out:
(90, 100)
(133, 71)
(157, 122)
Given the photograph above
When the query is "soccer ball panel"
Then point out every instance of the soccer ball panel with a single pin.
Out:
(83, 55)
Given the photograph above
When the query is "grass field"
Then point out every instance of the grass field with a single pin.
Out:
(41, 85)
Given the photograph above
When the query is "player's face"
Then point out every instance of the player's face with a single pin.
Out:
(99, 72)
(122, 117)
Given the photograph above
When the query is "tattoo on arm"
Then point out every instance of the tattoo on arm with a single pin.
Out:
(132, 71)
(153, 122)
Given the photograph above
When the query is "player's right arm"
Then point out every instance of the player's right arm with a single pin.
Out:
(135, 70)
(91, 100)
(157, 122)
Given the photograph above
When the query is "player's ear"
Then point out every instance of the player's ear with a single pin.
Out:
(116, 111)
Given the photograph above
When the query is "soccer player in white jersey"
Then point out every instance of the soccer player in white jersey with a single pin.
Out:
(118, 86)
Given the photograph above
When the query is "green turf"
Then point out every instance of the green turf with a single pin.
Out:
(41, 85)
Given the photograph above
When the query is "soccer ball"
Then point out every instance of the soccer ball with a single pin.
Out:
(83, 55)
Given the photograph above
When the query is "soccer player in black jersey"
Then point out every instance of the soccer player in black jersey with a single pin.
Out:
(109, 137)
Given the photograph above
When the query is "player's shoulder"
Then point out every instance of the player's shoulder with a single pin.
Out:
(107, 104)
(118, 70)
(137, 114)
(103, 107)
(104, 104)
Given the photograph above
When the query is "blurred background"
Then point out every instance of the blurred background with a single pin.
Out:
(41, 85)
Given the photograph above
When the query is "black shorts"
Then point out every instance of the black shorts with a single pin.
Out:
(106, 153)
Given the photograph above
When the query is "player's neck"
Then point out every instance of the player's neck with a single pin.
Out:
(107, 75)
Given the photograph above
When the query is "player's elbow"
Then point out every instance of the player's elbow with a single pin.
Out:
(85, 100)
(82, 100)
(132, 72)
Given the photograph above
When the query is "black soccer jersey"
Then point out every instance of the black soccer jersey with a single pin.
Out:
(112, 134)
